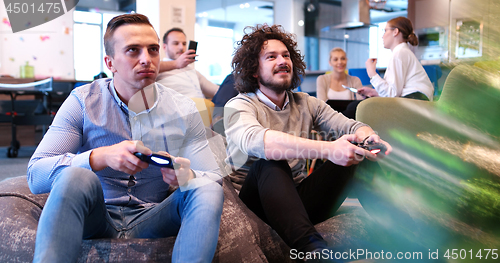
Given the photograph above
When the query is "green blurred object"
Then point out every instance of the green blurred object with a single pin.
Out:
(27, 71)
(492, 66)
(445, 165)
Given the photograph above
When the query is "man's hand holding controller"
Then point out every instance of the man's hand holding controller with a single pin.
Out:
(119, 157)
(374, 145)
(175, 171)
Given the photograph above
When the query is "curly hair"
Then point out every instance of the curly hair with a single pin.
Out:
(245, 62)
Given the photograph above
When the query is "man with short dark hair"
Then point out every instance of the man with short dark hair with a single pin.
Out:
(268, 129)
(98, 187)
(181, 75)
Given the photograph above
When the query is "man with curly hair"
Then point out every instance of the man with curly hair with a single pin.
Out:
(268, 129)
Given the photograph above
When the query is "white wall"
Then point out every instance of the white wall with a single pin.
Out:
(47, 47)
(288, 13)
(160, 14)
(445, 13)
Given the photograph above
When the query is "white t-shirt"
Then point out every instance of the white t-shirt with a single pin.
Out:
(187, 81)
(404, 75)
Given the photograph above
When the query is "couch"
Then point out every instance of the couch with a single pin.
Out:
(243, 236)
(445, 167)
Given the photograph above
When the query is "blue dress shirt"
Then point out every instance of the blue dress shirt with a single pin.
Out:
(93, 116)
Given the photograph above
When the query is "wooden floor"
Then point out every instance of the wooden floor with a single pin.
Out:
(27, 135)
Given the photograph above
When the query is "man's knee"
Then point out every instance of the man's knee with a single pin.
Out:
(77, 180)
(263, 168)
(211, 194)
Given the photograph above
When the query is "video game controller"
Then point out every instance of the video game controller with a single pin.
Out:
(156, 159)
(372, 147)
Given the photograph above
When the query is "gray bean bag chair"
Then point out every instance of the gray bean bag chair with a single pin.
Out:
(243, 236)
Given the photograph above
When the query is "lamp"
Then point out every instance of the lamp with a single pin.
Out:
(310, 7)
(376, 4)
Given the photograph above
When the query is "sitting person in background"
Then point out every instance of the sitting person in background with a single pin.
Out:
(329, 86)
(404, 76)
(225, 93)
(101, 75)
(177, 71)
(98, 187)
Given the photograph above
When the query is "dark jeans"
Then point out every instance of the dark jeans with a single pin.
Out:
(292, 211)
(416, 96)
(269, 191)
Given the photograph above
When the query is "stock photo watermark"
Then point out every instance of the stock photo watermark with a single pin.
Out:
(26, 14)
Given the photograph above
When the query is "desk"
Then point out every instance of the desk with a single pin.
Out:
(339, 105)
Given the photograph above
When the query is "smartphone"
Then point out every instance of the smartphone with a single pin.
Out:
(351, 89)
(156, 159)
(193, 45)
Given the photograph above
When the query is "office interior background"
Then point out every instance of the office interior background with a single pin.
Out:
(70, 47)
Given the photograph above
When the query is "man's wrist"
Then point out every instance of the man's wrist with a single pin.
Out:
(96, 161)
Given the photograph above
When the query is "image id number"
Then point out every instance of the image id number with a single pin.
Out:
(485, 253)
(25, 8)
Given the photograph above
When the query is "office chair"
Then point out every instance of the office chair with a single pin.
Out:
(434, 72)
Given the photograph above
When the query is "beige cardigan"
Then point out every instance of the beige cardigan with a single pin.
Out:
(323, 84)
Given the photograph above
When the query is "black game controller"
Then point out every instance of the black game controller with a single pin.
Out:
(374, 148)
(156, 159)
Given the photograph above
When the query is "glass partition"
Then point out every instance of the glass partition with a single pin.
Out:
(218, 27)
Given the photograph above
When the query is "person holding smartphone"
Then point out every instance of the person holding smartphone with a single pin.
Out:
(177, 70)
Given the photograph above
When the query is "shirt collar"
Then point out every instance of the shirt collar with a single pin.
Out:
(400, 46)
(262, 97)
(115, 95)
(124, 106)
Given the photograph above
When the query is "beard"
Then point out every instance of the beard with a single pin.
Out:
(173, 54)
(276, 86)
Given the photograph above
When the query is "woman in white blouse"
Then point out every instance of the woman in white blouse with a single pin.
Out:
(404, 76)
(329, 86)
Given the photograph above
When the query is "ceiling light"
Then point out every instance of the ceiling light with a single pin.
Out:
(311, 7)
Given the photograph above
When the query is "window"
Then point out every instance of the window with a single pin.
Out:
(89, 29)
(377, 49)
(219, 27)
(215, 65)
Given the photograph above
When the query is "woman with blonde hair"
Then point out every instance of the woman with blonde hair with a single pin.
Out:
(404, 76)
(329, 86)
